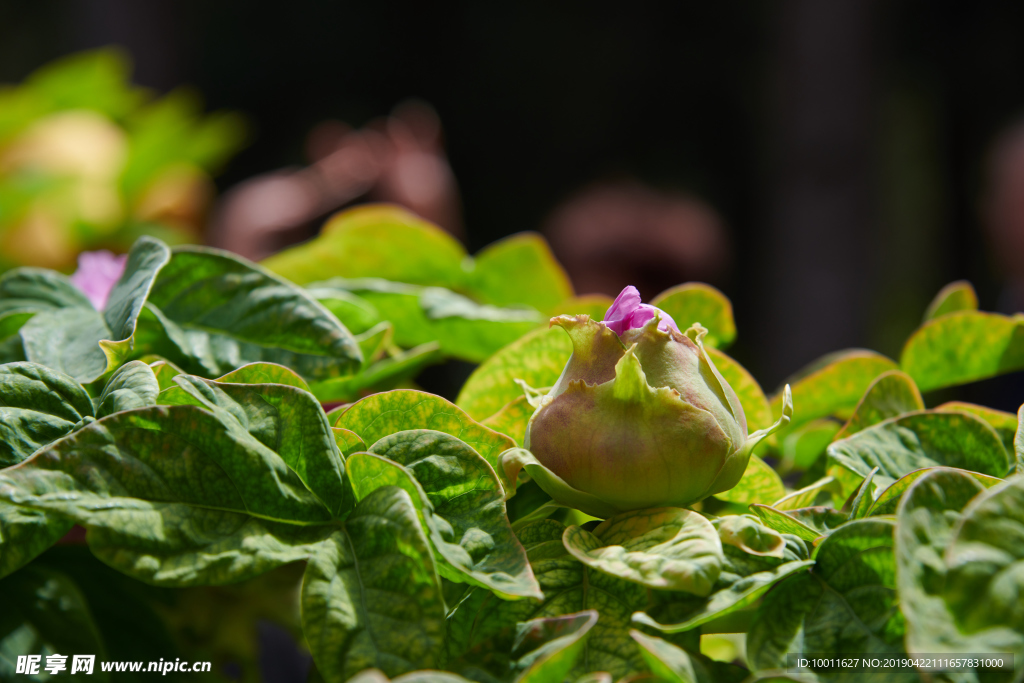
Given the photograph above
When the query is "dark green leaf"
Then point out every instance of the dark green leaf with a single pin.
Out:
(24, 533)
(954, 297)
(371, 597)
(963, 347)
(219, 312)
(663, 548)
(696, 302)
(546, 649)
(45, 613)
(133, 385)
(667, 662)
(37, 290)
(173, 495)
(37, 405)
(145, 260)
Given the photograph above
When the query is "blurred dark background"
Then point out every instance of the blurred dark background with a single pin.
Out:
(843, 144)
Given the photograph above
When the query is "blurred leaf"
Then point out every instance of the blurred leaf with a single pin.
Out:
(460, 501)
(696, 302)
(391, 412)
(96, 80)
(891, 394)
(911, 442)
(832, 386)
(380, 376)
(802, 447)
(379, 241)
(24, 533)
(752, 398)
(954, 297)
(810, 495)
(354, 312)
(760, 484)
(512, 419)
(594, 305)
(667, 662)
(547, 648)
(45, 613)
(371, 597)
(37, 405)
(661, 548)
(963, 347)
(537, 358)
(519, 270)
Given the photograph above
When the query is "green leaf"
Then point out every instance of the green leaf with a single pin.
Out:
(37, 405)
(145, 260)
(1018, 442)
(265, 373)
(348, 442)
(667, 662)
(512, 419)
(37, 290)
(963, 347)
(463, 328)
(381, 376)
(354, 312)
(954, 297)
(69, 334)
(750, 536)
(847, 605)
(391, 412)
(799, 522)
(802, 447)
(696, 302)
(519, 270)
(537, 358)
(375, 241)
(173, 495)
(984, 560)
(370, 596)
(662, 548)
(24, 533)
(462, 503)
(825, 488)
(483, 624)
(833, 385)
(285, 419)
(547, 648)
(164, 370)
(928, 524)
(760, 484)
(919, 440)
(594, 305)
(892, 394)
(218, 312)
(1005, 424)
(888, 501)
(133, 385)
(755, 404)
(744, 579)
(45, 613)
(67, 340)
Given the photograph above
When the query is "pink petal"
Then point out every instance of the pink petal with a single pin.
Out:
(619, 314)
(97, 273)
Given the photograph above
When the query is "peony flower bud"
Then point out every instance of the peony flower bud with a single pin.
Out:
(639, 418)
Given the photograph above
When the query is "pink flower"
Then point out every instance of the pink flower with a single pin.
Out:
(97, 272)
(627, 313)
